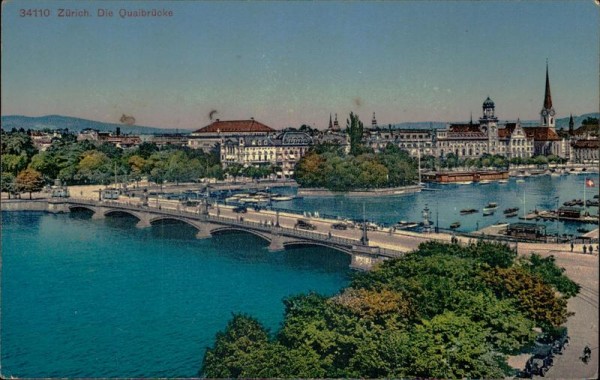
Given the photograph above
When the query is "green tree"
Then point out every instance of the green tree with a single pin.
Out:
(14, 163)
(451, 346)
(8, 183)
(29, 180)
(354, 128)
(45, 163)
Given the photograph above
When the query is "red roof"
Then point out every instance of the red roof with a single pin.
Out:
(464, 128)
(541, 133)
(507, 131)
(235, 126)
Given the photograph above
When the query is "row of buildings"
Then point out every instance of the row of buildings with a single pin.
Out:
(250, 142)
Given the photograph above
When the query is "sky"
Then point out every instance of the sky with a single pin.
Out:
(293, 63)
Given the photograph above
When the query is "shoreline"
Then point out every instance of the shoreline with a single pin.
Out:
(388, 191)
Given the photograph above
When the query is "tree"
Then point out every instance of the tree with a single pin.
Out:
(8, 183)
(29, 180)
(45, 163)
(354, 128)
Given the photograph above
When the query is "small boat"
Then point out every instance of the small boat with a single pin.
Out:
(511, 215)
(282, 198)
(503, 181)
(455, 225)
(468, 211)
(491, 205)
(555, 174)
(511, 210)
(401, 225)
(485, 182)
(520, 180)
(488, 212)
(582, 230)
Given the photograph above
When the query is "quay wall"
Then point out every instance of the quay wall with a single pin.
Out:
(24, 205)
(320, 192)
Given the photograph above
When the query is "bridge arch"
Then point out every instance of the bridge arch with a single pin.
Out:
(122, 211)
(306, 243)
(262, 235)
(169, 217)
(82, 207)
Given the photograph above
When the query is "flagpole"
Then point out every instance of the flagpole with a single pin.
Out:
(584, 186)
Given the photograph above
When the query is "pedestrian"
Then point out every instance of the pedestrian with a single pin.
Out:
(329, 234)
(584, 249)
(572, 245)
(591, 249)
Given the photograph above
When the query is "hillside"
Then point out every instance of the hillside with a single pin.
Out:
(76, 124)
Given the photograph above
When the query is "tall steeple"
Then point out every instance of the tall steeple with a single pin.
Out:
(547, 94)
(336, 125)
(373, 121)
(330, 122)
(547, 113)
(571, 126)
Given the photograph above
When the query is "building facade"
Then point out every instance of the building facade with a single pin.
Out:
(283, 150)
(209, 137)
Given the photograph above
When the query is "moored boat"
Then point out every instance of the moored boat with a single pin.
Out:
(488, 211)
(511, 210)
(455, 225)
(511, 215)
(401, 225)
(282, 198)
(467, 211)
(491, 205)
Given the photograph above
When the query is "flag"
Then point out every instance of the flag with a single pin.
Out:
(589, 182)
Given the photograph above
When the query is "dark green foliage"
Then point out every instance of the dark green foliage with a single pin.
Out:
(328, 167)
(547, 269)
(442, 311)
(354, 128)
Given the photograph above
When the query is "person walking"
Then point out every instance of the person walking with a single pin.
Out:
(584, 249)
(591, 249)
(572, 245)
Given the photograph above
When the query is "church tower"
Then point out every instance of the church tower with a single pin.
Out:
(547, 113)
(571, 126)
(489, 124)
(374, 121)
(330, 123)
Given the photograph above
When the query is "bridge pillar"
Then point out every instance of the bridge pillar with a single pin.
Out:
(58, 206)
(98, 214)
(203, 233)
(276, 243)
(364, 257)
(144, 220)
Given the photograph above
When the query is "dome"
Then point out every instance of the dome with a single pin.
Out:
(488, 103)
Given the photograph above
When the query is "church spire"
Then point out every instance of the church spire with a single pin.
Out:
(571, 126)
(547, 95)
(330, 122)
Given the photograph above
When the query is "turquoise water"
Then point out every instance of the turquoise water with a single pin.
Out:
(87, 298)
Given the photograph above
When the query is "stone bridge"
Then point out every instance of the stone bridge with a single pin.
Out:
(279, 238)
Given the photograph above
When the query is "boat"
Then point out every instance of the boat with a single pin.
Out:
(401, 225)
(282, 198)
(467, 211)
(503, 181)
(491, 205)
(555, 174)
(485, 182)
(520, 181)
(455, 225)
(582, 230)
(511, 215)
(488, 211)
(511, 210)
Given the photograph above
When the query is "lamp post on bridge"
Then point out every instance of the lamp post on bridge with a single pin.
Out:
(364, 239)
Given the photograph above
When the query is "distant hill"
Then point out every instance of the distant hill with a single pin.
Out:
(75, 124)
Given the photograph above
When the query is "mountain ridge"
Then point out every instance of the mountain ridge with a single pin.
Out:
(76, 124)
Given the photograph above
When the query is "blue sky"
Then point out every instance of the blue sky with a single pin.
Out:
(289, 63)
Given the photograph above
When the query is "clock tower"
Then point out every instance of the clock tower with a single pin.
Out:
(547, 114)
